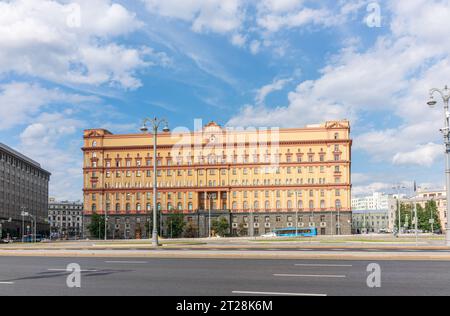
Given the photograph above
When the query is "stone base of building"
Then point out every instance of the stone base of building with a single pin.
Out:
(14, 229)
(240, 224)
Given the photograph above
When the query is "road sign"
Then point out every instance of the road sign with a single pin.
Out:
(431, 221)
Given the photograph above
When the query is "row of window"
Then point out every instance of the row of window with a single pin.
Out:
(213, 172)
(235, 206)
(234, 194)
(214, 161)
(18, 165)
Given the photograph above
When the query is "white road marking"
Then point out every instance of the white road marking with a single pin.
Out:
(324, 265)
(311, 276)
(127, 262)
(276, 293)
(65, 270)
(7, 283)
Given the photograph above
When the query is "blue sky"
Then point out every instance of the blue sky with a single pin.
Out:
(70, 65)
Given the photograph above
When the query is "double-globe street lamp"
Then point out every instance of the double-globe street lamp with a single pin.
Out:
(155, 125)
(445, 95)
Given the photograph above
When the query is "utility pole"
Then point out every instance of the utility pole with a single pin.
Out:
(155, 124)
(445, 95)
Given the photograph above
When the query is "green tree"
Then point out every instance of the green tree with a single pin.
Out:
(191, 230)
(221, 227)
(406, 210)
(431, 212)
(424, 215)
(175, 225)
(242, 231)
(97, 226)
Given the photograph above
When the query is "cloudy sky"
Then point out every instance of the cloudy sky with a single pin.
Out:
(70, 65)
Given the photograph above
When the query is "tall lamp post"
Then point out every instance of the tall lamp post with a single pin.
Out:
(155, 125)
(445, 95)
(399, 217)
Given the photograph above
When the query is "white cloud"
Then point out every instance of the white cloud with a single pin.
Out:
(53, 140)
(390, 78)
(279, 6)
(248, 23)
(423, 155)
(204, 15)
(276, 85)
(305, 16)
(19, 102)
(39, 40)
(238, 40)
(370, 188)
(255, 47)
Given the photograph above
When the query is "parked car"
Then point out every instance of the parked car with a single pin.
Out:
(269, 235)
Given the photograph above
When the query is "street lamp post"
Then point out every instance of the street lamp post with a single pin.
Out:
(23, 214)
(156, 123)
(398, 188)
(296, 214)
(445, 94)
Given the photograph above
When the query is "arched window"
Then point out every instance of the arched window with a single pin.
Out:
(267, 205)
(180, 206)
(300, 205)
(322, 204)
(338, 204)
(245, 206)
(159, 206)
(278, 205)
(289, 205)
(234, 206)
(149, 207)
(94, 208)
(117, 207)
(256, 205)
(190, 206)
(311, 205)
(138, 207)
(169, 206)
(128, 207)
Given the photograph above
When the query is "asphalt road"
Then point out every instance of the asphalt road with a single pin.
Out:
(217, 277)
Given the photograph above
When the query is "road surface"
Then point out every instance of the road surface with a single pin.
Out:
(219, 277)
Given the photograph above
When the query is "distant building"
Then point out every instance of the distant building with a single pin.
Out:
(370, 221)
(65, 218)
(439, 196)
(23, 188)
(378, 209)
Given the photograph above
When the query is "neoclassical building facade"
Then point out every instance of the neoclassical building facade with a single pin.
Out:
(258, 179)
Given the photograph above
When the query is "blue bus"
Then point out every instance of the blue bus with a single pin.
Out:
(296, 232)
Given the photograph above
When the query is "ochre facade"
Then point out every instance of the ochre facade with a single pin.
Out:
(259, 179)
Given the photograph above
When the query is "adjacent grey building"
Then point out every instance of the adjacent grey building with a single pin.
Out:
(370, 221)
(23, 187)
(65, 218)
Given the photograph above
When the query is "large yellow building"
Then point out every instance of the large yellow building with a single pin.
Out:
(258, 179)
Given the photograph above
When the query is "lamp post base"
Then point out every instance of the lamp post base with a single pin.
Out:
(447, 238)
(155, 242)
